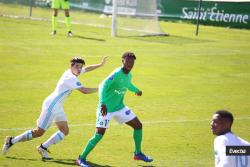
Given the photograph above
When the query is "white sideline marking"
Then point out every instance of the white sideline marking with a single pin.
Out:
(144, 122)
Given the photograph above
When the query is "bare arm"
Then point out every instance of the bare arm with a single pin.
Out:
(88, 90)
(95, 66)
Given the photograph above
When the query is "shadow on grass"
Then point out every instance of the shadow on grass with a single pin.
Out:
(171, 39)
(146, 165)
(25, 159)
(97, 165)
(88, 38)
(71, 162)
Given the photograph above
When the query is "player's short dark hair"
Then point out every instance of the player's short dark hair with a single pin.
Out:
(128, 55)
(77, 60)
(224, 114)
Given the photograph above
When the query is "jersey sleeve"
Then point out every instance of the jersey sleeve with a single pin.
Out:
(73, 83)
(221, 160)
(103, 89)
(83, 71)
(132, 87)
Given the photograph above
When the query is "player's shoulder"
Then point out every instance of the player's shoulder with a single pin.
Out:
(115, 72)
(118, 70)
(236, 140)
(230, 139)
(68, 76)
(223, 139)
(242, 141)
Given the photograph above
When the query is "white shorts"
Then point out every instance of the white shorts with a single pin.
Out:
(49, 115)
(121, 116)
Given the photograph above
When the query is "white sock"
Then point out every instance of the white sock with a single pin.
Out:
(27, 135)
(55, 138)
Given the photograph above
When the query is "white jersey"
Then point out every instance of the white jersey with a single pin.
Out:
(221, 159)
(52, 109)
(67, 83)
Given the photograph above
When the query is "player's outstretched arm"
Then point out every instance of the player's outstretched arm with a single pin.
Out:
(95, 66)
(88, 90)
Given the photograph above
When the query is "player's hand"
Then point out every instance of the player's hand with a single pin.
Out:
(138, 93)
(104, 110)
(104, 60)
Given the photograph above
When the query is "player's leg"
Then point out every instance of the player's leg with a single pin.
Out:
(55, 138)
(58, 136)
(125, 115)
(55, 7)
(81, 161)
(54, 21)
(68, 22)
(137, 135)
(43, 122)
(65, 7)
(102, 123)
(25, 136)
(61, 121)
(92, 142)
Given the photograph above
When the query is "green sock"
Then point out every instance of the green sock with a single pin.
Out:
(91, 144)
(68, 23)
(54, 23)
(137, 139)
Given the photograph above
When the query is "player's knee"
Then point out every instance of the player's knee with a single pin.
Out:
(138, 125)
(55, 13)
(65, 131)
(101, 131)
(37, 133)
(66, 13)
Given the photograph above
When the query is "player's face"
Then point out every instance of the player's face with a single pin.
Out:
(76, 68)
(128, 64)
(217, 125)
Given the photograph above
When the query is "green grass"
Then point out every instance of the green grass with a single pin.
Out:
(184, 80)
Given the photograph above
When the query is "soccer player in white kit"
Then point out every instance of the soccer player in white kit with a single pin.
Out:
(221, 124)
(52, 108)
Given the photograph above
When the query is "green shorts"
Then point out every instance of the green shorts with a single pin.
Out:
(57, 4)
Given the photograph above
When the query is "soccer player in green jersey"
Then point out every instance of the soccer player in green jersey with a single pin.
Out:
(64, 4)
(111, 95)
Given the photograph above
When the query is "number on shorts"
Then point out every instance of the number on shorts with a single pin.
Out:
(241, 161)
(106, 122)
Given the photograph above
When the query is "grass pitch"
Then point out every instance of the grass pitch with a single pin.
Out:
(184, 79)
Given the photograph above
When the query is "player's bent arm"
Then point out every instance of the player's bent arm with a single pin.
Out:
(134, 89)
(104, 110)
(88, 90)
(95, 66)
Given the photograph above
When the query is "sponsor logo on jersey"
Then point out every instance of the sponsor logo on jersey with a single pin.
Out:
(78, 84)
(128, 112)
(111, 77)
(120, 92)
